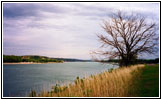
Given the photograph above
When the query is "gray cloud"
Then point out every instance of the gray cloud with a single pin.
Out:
(21, 10)
(12, 10)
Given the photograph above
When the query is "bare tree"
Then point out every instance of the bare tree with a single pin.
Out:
(128, 35)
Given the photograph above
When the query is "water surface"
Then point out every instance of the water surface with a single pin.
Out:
(20, 79)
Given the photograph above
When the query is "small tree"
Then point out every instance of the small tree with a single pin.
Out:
(127, 37)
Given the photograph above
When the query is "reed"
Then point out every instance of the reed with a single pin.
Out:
(114, 83)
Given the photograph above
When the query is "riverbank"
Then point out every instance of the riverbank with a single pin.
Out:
(122, 82)
(30, 63)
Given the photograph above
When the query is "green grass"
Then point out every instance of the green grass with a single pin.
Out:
(148, 82)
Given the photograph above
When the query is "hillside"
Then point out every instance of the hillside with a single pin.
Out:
(36, 58)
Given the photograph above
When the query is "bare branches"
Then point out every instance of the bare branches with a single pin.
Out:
(129, 35)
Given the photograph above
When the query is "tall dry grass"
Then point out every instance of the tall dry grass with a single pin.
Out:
(116, 83)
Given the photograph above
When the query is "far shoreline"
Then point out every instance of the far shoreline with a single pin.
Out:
(29, 63)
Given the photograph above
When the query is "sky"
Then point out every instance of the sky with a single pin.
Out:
(64, 30)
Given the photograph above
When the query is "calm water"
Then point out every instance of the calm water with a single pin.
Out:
(19, 80)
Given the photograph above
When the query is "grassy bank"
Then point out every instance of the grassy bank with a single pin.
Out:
(123, 82)
(147, 85)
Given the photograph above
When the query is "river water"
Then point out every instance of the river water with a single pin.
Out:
(20, 79)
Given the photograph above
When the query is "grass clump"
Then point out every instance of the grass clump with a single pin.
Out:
(32, 94)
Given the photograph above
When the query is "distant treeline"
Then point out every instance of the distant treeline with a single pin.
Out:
(138, 61)
(73, 60)
(35, 58)
(38, 59)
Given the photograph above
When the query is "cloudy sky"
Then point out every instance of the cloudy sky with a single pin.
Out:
(61, 29)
